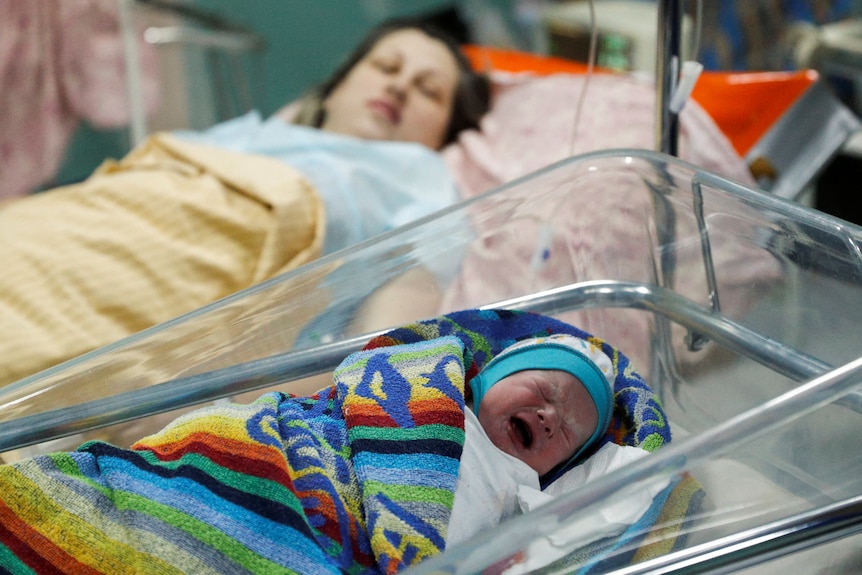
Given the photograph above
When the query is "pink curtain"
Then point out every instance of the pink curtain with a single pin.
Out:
(60, 62)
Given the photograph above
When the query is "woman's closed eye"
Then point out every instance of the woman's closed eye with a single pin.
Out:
(386, 65)
(430, 89)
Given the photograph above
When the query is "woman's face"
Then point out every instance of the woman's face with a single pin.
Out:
(402, 90)
(539, 416)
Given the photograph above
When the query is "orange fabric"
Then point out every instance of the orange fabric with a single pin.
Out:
(746, 104)
(485, 58)
(743, 104)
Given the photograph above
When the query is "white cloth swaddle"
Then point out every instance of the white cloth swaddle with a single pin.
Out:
(488, 482)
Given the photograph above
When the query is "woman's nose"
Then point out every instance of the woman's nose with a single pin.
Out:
(397, 86)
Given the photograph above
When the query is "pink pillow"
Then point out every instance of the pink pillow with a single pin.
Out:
(532, 125)
(601, 235)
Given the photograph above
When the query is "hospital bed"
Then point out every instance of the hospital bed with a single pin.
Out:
(531, 125)
(741, 310)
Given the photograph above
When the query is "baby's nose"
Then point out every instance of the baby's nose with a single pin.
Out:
(549, 420)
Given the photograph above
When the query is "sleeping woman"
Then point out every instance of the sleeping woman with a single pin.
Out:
(405, 92)
(376, 472)
(186, 219)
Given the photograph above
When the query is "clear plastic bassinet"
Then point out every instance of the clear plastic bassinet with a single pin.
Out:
(742, 310)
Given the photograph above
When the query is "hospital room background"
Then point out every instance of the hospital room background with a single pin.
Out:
(193, 64)
(231, 58)
(629, 244)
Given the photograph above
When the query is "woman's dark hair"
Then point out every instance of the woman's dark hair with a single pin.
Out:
(471, 100)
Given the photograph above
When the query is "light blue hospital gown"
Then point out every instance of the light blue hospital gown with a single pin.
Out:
(368, 187)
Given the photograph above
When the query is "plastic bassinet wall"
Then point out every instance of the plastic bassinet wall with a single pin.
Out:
(735, 305)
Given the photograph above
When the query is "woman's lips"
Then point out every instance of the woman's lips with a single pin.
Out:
(391, 112)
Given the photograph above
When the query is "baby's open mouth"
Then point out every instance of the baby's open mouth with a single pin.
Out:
(522, 430)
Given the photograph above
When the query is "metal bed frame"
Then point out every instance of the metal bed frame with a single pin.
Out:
(289, 366)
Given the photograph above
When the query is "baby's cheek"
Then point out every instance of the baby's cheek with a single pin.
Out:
(561, 452)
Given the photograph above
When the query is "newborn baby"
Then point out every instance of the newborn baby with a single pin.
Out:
(545, 400)
(537, 408)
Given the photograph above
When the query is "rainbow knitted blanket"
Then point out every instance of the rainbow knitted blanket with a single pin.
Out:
(357, 479)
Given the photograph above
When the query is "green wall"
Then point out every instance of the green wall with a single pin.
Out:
(308, 38)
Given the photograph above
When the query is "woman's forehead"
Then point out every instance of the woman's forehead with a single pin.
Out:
(421, 49)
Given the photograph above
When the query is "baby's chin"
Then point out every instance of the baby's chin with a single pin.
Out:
(500, 440)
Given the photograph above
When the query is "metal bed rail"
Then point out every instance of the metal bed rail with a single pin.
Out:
(288, 366)
(496, 546)
(760, 544)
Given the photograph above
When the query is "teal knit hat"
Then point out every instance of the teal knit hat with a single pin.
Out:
(563, 352)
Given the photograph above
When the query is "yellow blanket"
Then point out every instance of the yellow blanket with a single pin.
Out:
(170, 228)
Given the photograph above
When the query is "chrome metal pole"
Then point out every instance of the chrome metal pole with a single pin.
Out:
(134, 82)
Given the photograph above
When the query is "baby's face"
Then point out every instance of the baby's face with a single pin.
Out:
(539, 416)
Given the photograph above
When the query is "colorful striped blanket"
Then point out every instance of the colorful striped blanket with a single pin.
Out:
(357, 479)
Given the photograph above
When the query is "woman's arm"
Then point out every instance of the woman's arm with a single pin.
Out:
(410, 297)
